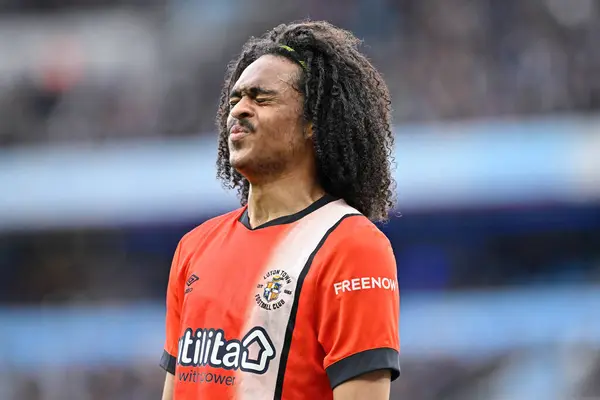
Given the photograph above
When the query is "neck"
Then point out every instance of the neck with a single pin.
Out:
(286, 195)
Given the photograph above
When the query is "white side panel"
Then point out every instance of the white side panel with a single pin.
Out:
(287, 263)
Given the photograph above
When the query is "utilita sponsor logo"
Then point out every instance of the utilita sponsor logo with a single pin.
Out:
(210, 347)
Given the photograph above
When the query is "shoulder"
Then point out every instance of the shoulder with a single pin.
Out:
(356, 233)
(197, 235)
(356, 247)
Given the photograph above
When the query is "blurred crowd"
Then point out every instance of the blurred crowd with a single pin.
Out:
(138, 382)
(158, 67)
(465, 250)
(439, 378)
(90, 71)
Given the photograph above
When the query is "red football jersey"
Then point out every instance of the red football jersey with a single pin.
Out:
(288, 310)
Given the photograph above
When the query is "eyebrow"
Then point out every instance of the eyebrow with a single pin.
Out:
(252, 92)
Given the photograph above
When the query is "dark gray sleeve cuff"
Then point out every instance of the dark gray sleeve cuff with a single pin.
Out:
(167, 362)
(362, 363)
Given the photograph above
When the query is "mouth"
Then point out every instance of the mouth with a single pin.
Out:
(237, 132)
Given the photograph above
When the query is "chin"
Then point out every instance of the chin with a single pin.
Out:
(239, 161)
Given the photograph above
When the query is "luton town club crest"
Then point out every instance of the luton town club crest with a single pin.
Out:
(273, 290)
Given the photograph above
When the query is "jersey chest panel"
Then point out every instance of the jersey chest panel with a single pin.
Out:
(228, 268)
(240, 304)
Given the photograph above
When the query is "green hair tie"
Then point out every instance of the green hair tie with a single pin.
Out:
(295, 54)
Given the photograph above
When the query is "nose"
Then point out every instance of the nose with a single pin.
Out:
(242, 110)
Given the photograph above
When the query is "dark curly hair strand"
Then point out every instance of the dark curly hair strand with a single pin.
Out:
(347, 102)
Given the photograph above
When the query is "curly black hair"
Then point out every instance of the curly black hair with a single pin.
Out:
(347, 102)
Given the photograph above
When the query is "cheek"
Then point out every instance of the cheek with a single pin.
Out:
(229, 119)
(283, 125)
(278, 128)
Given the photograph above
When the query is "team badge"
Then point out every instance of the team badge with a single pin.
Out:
(274, 290)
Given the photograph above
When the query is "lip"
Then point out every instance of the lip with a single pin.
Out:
(237, 132)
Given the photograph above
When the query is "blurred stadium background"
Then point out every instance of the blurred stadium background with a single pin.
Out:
(107, 152)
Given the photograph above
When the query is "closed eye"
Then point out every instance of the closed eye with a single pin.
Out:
(258, 94)
(260, 100)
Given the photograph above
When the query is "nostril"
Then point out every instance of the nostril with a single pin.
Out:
(243, 114)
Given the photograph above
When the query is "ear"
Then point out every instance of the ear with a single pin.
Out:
(308, 130)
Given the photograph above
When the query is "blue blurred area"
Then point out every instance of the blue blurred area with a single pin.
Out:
(455, 324)
(496, 235)
(480, 204)
(497, 164)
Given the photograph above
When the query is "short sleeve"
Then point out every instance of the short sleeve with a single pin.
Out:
(174, 303)
(358, 312)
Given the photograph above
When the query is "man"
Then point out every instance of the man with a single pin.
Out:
(294, 295)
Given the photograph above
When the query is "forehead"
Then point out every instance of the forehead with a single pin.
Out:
(268, 71)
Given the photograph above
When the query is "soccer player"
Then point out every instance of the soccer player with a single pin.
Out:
(294, 295)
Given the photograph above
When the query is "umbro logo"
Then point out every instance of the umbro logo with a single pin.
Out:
(193, 278)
